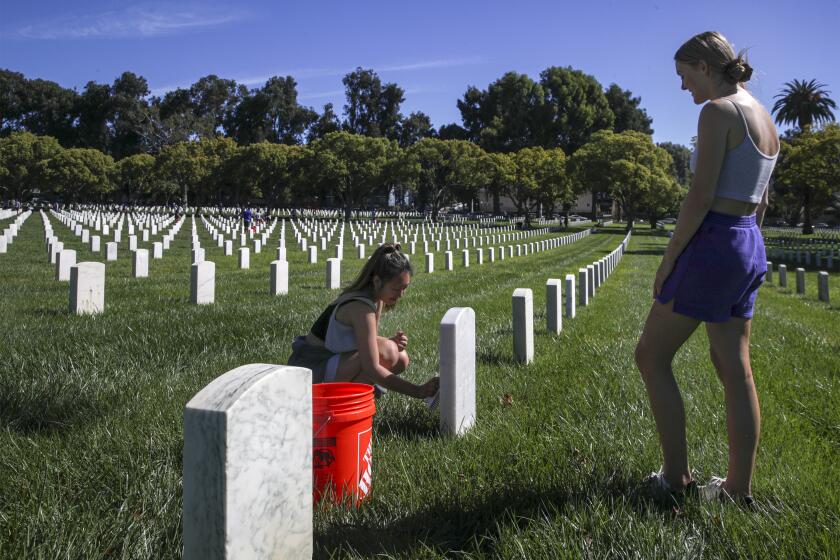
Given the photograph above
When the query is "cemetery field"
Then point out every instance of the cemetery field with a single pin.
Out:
(91, 432)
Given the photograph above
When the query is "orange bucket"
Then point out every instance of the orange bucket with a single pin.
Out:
(342, 429)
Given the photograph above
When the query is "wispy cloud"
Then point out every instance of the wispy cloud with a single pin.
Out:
(144, 20)
(303, 73)
(304, 95)
(320, 94)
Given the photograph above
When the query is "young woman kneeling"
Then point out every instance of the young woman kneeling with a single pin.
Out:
(343, 344)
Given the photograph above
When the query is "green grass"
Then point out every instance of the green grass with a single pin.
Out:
(91, 413)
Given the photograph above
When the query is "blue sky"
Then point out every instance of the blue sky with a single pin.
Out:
(434, 50)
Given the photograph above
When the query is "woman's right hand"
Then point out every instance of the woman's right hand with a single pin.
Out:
(429, 388)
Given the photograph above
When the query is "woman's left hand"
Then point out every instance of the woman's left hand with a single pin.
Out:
(665, 269)
(401, 340)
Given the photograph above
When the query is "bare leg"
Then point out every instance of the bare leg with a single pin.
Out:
(664, 334)
(730, 347)
(390, 357)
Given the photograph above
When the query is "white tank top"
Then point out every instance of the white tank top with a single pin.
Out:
(340, 337)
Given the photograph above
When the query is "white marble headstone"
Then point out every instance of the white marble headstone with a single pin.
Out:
(333, 275)
(247, 487)
(457, 371)
(203, 282)
(64, 260)
(822, 286)
(87, 288)
(553, 305)
(583, 286)
(140, 263)
(523, 325)
(570, 296)
(279, 278)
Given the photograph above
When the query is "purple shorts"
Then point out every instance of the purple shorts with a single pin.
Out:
(717, 275)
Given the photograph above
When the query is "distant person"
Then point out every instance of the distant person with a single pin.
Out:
(247, 217)
(713, 265)
(343, 344)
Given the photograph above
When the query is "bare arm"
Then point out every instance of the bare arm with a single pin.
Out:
(711, 149)
(762, 206)
(364, 327)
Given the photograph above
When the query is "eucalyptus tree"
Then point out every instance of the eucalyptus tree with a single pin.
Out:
(20, 154)
(808, 172)
(628, 114)
(78, 174)
(372, 108)
(353, 168)
(537, 176)
(443, 171)
(627, 165)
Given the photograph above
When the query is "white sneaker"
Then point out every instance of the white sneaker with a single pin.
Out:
(657, 487)
(713, 490)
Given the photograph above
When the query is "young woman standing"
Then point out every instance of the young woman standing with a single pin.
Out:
(713, 265)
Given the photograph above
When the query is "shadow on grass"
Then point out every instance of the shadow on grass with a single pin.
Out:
(496, 356)
(476, 526)
(407, 424)
(44, 413)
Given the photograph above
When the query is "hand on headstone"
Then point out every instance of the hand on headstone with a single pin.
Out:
(430, 388)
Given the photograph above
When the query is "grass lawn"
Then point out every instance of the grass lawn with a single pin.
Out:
(91, 412)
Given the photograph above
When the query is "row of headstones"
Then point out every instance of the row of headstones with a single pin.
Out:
(819, 258)
(247, 486)
(203, 273)
(590, 279)
(140, 257)
(822, 280)
(11, 231)
(8, 213)
(798, 241)
(519, 250)
(412, 245)
(104, 228)
(821, 232)
(102, 221)
(234, 225)
(371, 232)
(218, 236)
(203, 278)
(87, 279)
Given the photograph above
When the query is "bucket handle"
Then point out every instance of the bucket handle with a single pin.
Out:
(324, 425)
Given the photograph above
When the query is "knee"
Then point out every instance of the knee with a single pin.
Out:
(402, 362)
(643, 356)
(389, 354)
(648, 359)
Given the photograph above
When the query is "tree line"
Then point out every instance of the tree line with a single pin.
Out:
(538, 142)
(348, 170)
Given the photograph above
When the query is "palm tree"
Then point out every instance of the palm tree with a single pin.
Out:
(804, 104)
